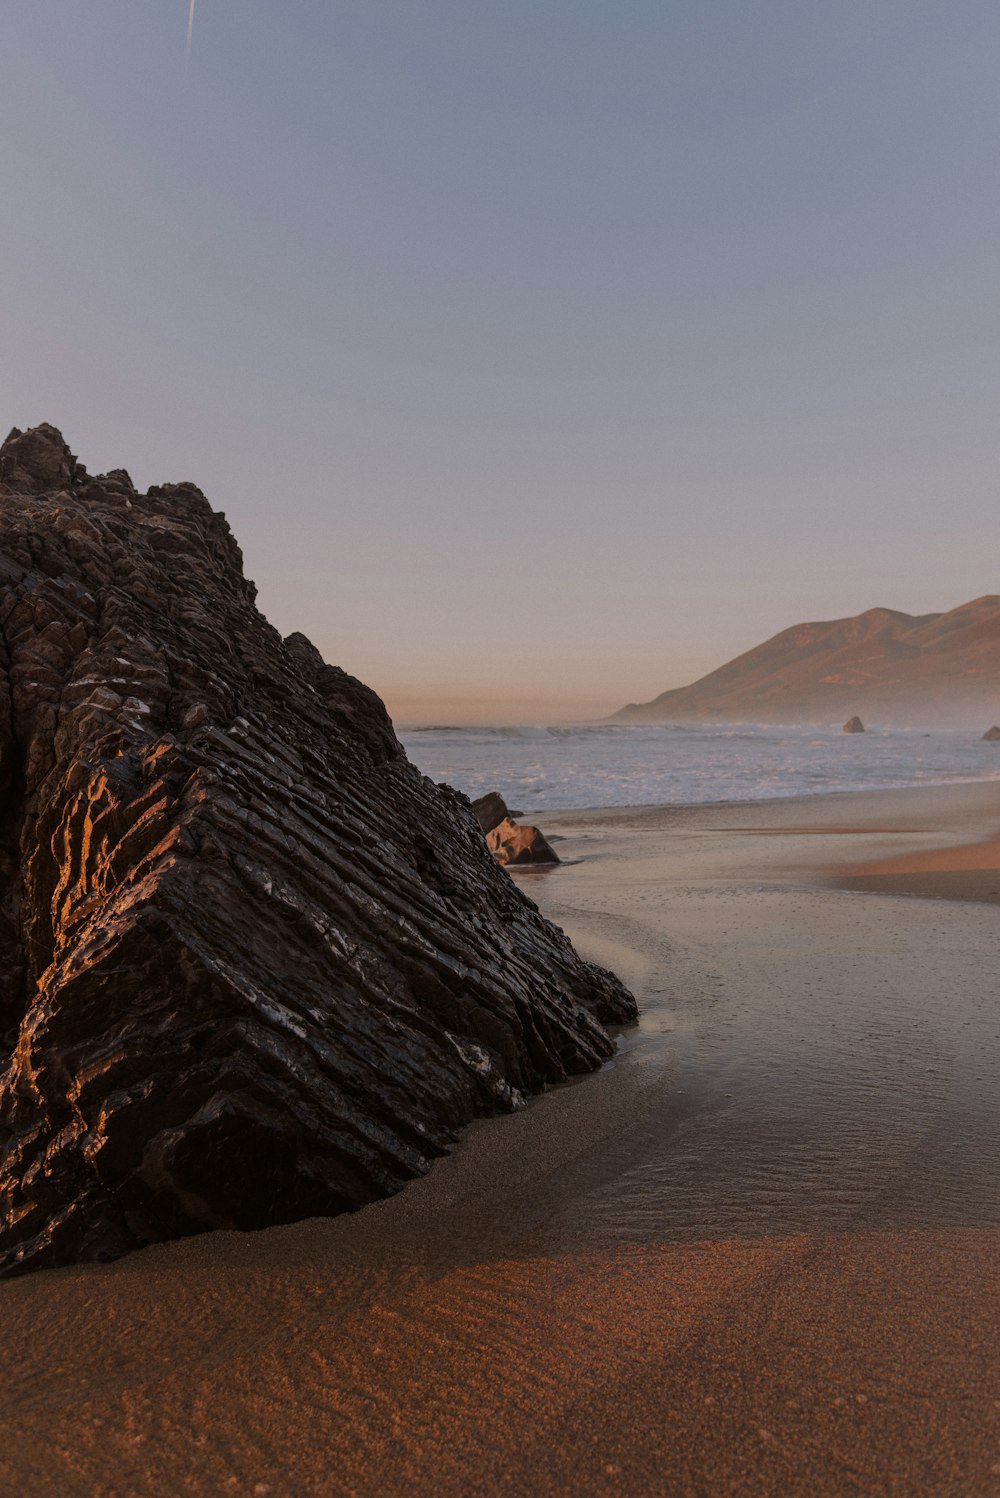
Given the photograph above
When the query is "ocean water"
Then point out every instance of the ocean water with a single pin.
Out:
(564, 768)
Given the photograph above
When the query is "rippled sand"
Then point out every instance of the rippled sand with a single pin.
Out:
(758, 1253)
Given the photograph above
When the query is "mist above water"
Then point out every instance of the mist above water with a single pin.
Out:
(561, 768)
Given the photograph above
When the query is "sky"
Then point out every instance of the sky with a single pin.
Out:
(543, 356)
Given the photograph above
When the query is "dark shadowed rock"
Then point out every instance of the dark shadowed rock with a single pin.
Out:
(512, 844)
(854, 725)
(253, 965)
(38, 460)
(490, 810)
(992, 734)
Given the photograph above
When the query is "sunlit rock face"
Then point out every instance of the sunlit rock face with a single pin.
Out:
(253, 966)
(511, 844)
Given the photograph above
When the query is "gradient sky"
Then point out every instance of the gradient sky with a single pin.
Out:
(542, 353)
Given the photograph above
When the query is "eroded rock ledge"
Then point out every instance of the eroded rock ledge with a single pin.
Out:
(253, 965)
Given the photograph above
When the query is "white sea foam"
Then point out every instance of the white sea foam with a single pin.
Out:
(548, 769)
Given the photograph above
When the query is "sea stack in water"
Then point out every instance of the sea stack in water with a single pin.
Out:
(992, 734)
(253, 966)
(854, 725)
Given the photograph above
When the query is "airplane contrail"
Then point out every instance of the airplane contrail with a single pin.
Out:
(187, 55)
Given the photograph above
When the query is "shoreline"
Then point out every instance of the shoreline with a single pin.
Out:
(931, 841)
(757, 1251)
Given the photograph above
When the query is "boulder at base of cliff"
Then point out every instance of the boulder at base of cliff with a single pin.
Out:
(490, 810)
(511, 844)
(854, 725)
(992, 734)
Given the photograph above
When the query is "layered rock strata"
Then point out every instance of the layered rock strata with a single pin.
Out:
(253, 965)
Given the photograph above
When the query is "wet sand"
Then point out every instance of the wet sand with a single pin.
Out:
(967, 871)
(758, 1253)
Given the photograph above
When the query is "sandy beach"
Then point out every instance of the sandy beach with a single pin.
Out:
(759, 1252)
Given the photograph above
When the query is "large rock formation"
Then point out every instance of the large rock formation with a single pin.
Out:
(992, 735)
(253, 966)
(932, 670)
(854, 725)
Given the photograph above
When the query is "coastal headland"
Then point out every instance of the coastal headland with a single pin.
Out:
(759, 1252)
(929, 669)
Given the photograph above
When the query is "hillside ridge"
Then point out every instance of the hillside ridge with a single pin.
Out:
(886, 665)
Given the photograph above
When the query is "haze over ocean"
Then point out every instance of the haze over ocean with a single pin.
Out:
(559, 768)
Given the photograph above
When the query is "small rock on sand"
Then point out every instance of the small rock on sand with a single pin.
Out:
(511, 844)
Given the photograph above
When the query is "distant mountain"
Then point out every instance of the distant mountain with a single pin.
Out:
(891, 668)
